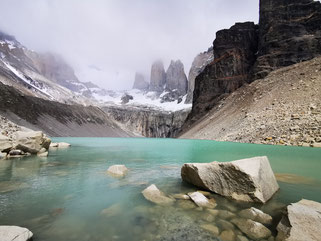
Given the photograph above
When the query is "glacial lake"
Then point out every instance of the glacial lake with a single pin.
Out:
(69, 196)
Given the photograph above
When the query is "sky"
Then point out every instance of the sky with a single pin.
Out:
(107, 41)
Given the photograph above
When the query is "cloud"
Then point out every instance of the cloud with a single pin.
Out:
(120, 37)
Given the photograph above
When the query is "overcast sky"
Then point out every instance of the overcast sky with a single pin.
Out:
(107, 41)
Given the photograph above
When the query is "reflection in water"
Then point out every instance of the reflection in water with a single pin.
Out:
(68, 195)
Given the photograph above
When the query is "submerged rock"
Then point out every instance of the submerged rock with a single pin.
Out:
(14, 233)
(153, 194)
(113, 210)
(200, 200)
(117, 170)
(211, 228)
(227, 235)
(252, 229)
(256, 215)
(302, 222)
(250, 180)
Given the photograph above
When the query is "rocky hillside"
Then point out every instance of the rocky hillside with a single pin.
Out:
(283, 108)
(289, 32)
(148, 122)
(54, 118)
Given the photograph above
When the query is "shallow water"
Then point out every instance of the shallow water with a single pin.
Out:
(62, 197)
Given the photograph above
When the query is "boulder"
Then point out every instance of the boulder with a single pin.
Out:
(153, 194)
(5, 143)
(227, 235)
(54, 144)
(181, 196)
(256, 215)
(250, 180)
(46, 142)
(14, 233)
(29, 141)
(15, 152)
(252, 229)
(302, 222)
(200, 200)
(43, 154)
(63, 145)
(117, 170)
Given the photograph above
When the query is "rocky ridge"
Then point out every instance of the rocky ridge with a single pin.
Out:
(176, 78)
(284, 108)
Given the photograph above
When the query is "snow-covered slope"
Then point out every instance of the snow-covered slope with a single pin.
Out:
(149, 99)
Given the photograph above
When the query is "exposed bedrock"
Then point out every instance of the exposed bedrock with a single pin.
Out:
(290, 32)
(148, 122)
(249, 180)
(140, 83)
(176, 78)
(157, 77)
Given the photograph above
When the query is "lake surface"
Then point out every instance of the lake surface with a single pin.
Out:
(69, 196)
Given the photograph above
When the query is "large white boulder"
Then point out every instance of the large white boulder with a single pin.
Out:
(302, 222)
(153, 194)
(250, 180)
(117, 170)
(14, 233)
(29, 141)
(5, 143)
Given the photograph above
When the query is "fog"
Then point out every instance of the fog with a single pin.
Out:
(107, 41)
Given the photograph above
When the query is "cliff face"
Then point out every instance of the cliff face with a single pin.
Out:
(140, 82)
(198, 65)
(289, 32)
(157, 77)
(234, 55)
(148, 122)
(176, 78)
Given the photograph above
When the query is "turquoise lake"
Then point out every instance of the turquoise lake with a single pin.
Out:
(62, 197)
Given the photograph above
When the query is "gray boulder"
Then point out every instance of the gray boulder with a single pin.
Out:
(302, 222)
(252, 229)
(153, 194)
(5, 143)
(250, 180)
(14, 233)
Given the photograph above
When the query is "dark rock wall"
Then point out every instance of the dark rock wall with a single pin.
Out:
(234, 55)
(289, 32)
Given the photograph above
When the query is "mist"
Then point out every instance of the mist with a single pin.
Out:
(107, 41)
